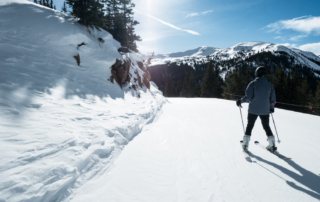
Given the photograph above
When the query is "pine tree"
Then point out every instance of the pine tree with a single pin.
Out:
(35, 1)
(51, 4)
(317, 95)
(280, 85)
(206, 84)
(89, 12)
(302, 92)
(211, 85)
(293, 88)
(47, 3)
(234, 85)
(188, 88)
(118, 20)
(168, 91)
(109, 19)
(64, 7)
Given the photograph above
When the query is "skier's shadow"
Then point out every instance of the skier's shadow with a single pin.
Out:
(307, 178)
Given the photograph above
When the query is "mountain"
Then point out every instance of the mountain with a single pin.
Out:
(287, 68)
(244, 50)
(64, 117)
(177, 56)
(240, 52)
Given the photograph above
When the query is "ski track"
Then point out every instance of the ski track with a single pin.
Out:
(191, 153)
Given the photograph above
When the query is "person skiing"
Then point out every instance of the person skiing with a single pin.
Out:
(261, 97)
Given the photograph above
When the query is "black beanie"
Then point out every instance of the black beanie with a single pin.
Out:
(261, 71)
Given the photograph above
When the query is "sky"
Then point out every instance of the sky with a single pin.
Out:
(177, 25)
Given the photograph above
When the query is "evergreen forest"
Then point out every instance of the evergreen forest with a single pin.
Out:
(114, 16)
(297, 87)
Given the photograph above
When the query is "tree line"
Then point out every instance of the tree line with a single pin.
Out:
(114, 16)
(294, 84)
(47, 3)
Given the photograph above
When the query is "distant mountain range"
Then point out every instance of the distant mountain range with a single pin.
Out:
(241, 51)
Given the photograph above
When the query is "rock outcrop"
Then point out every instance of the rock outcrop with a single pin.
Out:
(120, 72)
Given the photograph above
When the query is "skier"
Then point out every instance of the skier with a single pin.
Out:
(261, 97)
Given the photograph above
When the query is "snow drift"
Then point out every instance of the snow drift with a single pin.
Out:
(62, 124)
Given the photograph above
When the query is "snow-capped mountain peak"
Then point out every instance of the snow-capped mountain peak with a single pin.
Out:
(241, 51)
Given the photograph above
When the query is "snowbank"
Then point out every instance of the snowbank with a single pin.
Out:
(62, 124)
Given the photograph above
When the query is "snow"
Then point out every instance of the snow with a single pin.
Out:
(191, 152)
(61, 124)
(200, 52)
(69, 134)
(251, 48)
(248, 48)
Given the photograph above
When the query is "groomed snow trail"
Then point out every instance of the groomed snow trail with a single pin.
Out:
(191, 152)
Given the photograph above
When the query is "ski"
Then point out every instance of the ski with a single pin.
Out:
(275, 153)
(245, 153)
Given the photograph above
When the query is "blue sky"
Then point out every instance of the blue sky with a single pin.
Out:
(178, 25)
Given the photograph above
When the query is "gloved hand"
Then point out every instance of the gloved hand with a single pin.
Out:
(272, 110)
(239, 103)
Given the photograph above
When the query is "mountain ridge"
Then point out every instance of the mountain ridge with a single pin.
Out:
(244, 49)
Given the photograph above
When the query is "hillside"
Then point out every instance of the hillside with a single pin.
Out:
(192, 153)
(63, 121)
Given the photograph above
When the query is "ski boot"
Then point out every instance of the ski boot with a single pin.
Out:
(272, 145)
(245, 143)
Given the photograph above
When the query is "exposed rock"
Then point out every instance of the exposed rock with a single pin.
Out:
(77, 57)
(120, 72)
(146, 79)
(101, 40)
(141, 66)
(82, 44)
(123, 50)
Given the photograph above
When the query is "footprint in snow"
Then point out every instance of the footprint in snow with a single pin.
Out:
(15, 112)
(35, 106)
(84, 118)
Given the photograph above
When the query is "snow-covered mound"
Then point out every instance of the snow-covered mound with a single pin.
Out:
(241, 51)
(189, 54)
(61, 124)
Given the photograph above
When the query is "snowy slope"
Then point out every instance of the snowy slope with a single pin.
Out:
(243, 50)
(175, 57)
(61, 124)
(192, 153)
(251, 48)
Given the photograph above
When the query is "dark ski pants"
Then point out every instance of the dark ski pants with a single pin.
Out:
(264, 120)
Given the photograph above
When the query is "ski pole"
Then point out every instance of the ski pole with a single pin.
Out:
(242, 120)
(275, 128)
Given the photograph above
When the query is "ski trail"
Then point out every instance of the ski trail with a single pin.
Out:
(191, 153)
